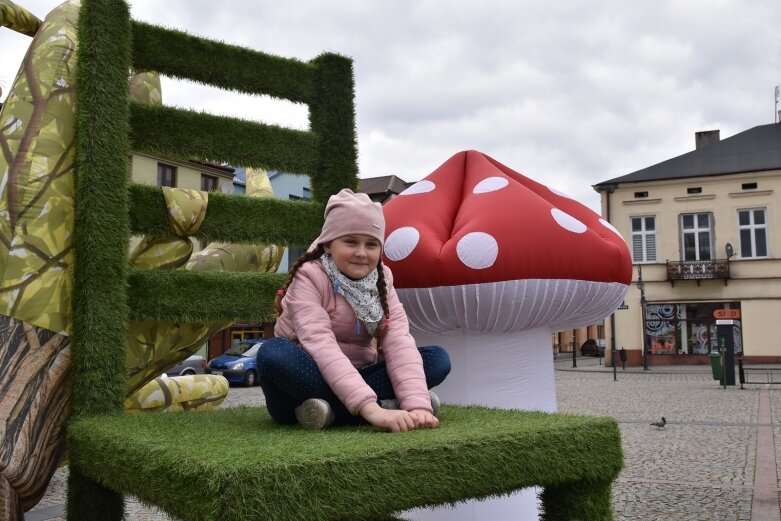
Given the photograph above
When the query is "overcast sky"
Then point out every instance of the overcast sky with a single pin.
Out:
(567, 93)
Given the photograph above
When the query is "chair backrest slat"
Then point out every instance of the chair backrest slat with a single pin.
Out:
(262, 220)
(180, 55)
(189, 135)
(199, 297)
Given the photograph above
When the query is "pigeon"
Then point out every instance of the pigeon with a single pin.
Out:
(660, 424)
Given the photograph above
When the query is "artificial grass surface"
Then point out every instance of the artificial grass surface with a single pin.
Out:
(102, 225)
(231, 218)
(255, 469)
(201, 297)
(332, 119)
(186, 134)
(181, 55)
(102, 232)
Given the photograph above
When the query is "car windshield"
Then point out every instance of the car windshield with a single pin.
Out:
(243, 349)
(252, 352)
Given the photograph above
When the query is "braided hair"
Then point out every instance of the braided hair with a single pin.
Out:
(382, 291)
(306, 257)
(382, 287)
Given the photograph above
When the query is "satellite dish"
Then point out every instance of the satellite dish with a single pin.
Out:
(226, 188)
(730, 250)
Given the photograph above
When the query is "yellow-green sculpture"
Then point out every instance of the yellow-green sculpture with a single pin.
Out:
(182, 393)
(36, 259)
(36, 253)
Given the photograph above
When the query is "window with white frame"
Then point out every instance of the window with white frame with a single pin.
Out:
(752, 227)
(644, 238)
(697, 236)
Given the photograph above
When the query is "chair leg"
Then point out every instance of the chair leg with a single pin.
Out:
(90, 501)
(577, 501)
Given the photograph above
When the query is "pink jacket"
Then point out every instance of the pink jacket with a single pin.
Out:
(324, 324)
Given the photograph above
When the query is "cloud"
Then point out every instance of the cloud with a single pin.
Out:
(568, 93)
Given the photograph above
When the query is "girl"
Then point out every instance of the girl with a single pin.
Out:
(323, 366)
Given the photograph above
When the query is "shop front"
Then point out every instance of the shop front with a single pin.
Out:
(684, 333)
(222, 340)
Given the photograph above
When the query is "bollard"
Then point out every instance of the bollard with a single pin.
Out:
(574, 351)
(613, 354)
(741, 374)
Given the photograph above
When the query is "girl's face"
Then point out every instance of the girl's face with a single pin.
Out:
(355, 255)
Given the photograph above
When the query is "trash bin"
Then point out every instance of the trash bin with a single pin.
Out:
(715, 364)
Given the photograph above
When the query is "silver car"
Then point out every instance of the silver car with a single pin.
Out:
(195, 364)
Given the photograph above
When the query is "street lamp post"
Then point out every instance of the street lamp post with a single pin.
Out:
(643, 304)
(574, 350)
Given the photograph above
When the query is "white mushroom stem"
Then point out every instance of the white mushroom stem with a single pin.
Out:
(507, 370)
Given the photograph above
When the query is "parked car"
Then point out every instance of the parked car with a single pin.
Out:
(591, 348)
(238, 364)
(195, 364)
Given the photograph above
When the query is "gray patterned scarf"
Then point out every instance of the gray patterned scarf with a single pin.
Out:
(361, 294)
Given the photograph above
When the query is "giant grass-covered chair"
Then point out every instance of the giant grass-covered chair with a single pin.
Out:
(265, 471)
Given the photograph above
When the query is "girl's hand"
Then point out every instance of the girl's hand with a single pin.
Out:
(392, 420)
(424, 419)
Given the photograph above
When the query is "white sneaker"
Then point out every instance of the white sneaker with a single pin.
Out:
(394, 404)
(391, 404)
(315, 413)
(435, 403)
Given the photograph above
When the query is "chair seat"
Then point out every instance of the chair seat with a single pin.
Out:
(236, 464)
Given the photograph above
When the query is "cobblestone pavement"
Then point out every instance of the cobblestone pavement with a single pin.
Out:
(700, 467)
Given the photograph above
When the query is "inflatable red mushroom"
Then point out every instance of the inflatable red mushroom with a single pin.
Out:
(488, 264)
(483, 254)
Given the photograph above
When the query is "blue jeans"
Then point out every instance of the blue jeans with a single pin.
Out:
(288, 375)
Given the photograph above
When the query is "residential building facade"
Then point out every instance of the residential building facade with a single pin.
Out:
(291, 187)
(703, 231)
(194, 175)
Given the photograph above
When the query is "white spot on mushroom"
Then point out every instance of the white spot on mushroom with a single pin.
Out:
(421, 187)
(567, 222)
(477, 250)
(560, 194)
(609, 227)
(401, 242)
(490, 184)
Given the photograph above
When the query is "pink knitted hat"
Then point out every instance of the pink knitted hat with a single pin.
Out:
(349, 213)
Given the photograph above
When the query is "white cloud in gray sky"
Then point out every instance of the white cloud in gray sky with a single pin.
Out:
(568, 93)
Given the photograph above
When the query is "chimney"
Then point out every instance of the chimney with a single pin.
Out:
(705, 137)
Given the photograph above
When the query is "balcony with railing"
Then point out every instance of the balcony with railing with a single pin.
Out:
(698, 270)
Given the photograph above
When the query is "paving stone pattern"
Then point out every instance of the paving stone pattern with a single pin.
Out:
(775, 410)
(677, 503)
(700, 467)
